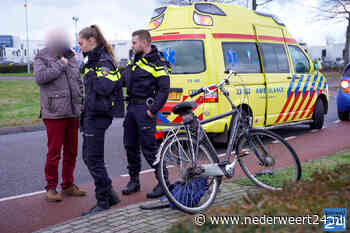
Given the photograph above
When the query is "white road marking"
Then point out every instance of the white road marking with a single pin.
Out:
(146, 171)
(290, 138)
(22, 195)
(44, 191)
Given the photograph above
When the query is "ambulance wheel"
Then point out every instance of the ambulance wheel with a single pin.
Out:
(318, 115)
(344, 116)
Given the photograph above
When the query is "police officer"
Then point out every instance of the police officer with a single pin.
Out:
(147, 82)
(101, 81)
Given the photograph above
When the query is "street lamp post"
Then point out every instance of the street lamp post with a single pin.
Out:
(27, 35)
(76, 19)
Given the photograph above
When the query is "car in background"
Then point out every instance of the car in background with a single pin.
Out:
(343, 96)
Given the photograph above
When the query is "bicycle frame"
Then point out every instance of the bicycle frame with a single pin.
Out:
(229, 168)
(224, 168)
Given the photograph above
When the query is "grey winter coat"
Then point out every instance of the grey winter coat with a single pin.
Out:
(60, 86)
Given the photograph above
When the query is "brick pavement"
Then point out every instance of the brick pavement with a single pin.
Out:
(132, 219)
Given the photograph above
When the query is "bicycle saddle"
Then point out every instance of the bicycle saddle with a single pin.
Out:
(184, 107)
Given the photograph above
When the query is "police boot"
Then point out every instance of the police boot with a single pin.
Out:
(133, 186)
(113, 198)
(158, 190)
(99, 207)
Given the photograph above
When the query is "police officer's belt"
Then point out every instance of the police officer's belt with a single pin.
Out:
(137, 100)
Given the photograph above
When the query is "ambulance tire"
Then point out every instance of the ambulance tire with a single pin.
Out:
(318, 115)
(344, 116)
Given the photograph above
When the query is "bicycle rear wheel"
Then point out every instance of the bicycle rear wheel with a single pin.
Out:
(188, 191)
(267, 159)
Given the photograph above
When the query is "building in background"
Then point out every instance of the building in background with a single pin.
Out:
(331, 55)
(14, 50)
(121, 51)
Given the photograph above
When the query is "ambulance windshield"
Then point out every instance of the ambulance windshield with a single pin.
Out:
(185, 56)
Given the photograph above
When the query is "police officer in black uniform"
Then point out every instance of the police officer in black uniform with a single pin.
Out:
(101, 81)
(148, 84)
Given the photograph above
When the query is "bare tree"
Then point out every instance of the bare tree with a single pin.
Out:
(255, 3)
(337, 10)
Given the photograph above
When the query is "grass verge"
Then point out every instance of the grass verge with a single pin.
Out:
(329, 162)
(19, 102)
(16, 74)
(325, 184)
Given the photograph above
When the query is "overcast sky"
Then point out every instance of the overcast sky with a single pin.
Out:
(118, 18)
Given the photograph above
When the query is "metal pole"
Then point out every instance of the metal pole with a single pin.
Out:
(27, 36)
(75, 19)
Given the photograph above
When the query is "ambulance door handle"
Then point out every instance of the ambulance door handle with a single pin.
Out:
(292, 77)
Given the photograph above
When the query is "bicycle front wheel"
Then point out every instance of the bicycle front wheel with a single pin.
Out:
(187, 191)
(267, 159)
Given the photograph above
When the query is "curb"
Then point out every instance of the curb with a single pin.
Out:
(22, 129)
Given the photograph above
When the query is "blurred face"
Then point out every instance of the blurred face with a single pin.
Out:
(57, 39)
(86, 45)
(139, 45)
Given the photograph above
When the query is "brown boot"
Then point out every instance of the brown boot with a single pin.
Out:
(52, 195)
(74, 191)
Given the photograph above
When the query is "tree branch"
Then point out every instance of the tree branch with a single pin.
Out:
(263, 3)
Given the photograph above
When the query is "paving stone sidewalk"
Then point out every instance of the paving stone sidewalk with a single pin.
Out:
(132, 219)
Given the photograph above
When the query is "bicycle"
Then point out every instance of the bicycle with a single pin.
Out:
(188, 154)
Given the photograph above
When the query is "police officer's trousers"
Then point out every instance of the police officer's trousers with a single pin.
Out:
(93, 156)
(139, 130)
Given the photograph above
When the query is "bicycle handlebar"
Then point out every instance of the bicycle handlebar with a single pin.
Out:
(219, 85)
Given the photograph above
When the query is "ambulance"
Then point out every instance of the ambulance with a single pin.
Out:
(277, 84)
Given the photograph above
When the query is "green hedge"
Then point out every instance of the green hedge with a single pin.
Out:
(5, 68)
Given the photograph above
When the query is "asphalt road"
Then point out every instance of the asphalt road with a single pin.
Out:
(23, 156)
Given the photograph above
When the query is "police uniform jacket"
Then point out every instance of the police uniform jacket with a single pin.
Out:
(148, 76)
(103, 92)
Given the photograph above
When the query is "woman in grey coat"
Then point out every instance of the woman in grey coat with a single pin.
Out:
(57, 74)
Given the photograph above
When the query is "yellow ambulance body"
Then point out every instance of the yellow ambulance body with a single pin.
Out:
(277, 83)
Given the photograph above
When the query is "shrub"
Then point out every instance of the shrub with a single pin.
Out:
(9, 68)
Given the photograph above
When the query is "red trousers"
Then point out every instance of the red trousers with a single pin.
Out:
(61, 132)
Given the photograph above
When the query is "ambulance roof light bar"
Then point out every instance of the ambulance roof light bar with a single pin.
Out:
(208, 8)
(157, 12)
(274, 17)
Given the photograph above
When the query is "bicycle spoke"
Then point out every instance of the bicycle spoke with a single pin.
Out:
(271, 162)
(193, 194)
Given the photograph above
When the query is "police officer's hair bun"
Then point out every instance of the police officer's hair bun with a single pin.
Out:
(95, 32)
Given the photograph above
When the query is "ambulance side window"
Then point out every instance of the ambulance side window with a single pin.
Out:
(241, 57)
(275, 58)
(300, 62)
